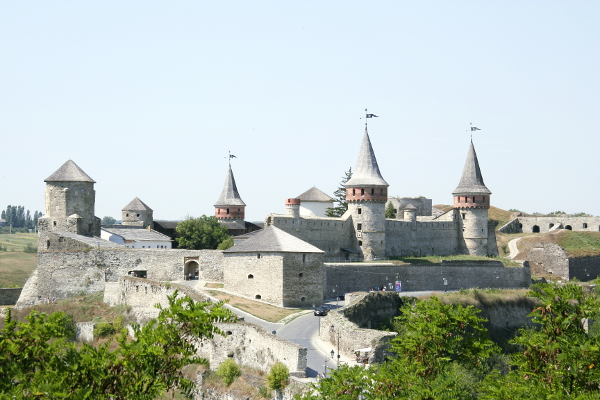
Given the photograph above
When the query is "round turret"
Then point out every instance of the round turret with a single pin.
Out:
(292, 207)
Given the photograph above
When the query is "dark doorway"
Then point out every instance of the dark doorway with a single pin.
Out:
(536, 229)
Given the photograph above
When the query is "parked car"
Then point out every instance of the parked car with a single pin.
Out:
(341, 297)
(321, 311)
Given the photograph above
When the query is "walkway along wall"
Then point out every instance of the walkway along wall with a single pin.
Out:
(356, 277)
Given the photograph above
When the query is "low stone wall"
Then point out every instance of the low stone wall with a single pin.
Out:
(9, 296)
(551, 257)
(64, 274)
(142, 295)
(545, 224)
(251, 346)
(85, 331)
(359, 277)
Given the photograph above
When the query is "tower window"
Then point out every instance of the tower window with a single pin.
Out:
(464, 215)
(138, 215)
(584, 225)
(258, 255)
(359, 227)
(250, 276)
(228, 211)
(54, 223)
(300, 275)
(127, 215)
(372, 192)
(362, 192)
(258, 297)
(354, 192)
(239, 211)
(360, 242)
(359, 210)
(303, 258)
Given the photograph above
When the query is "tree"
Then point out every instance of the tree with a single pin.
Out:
(340, 197)
(228, 370)
(390, 211)
(225, 244)
(278, 376)
(108, 220)
(201, 233)
(39, 361)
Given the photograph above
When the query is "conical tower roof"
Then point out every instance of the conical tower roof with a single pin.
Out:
(366, 172)
(69, 172)
(471, 181)
(229, 195)
(136, 205)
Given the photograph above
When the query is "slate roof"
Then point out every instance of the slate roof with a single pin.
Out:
(471, 181)
(138, 235)
(69, 172)
(229, 195)
(366, 172)
(314, 194)
(136, 205)
(272, 239)
(91, 241)
(167, 224)
(232, 224)
(410, 206)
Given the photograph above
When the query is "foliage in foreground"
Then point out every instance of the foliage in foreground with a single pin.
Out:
(37, 360)
(201, 233)
(278, 376)
(443, 352)
(228, 371)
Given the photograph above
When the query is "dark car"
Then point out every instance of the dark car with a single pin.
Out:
(341, 297)
(321, 311)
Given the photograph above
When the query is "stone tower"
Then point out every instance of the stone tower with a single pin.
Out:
(366, 194)
(471, 204)
(292, 207)
(230, 205)
(137, 213)
(70, 202)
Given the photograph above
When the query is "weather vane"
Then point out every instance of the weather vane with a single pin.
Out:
(473, 129)
(229, 157)
(369, 116)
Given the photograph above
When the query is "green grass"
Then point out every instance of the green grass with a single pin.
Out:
(15, 265)
(435, 260)
(579, 244)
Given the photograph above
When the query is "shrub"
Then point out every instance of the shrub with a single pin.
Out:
(119, 323)
(264, 392)
(278, 376)
(228, 371)
(30, 249)
(103, 329)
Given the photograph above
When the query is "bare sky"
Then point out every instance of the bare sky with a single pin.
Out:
(149, 97)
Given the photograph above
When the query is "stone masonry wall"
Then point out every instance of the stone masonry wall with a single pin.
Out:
(356, 277)
(256, 275)
(252, 346)
(302, 279)
(584, 268)
(404, 238)
(9, 296)
(64, 274)
(526, 224)
(551, 257)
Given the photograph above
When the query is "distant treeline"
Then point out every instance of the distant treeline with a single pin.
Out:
(18, 217)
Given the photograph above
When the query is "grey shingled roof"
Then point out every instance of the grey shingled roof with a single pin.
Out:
(69, 172)
(232, 224)
(138, 235)
(272, 239)
(410, 206)
(471, 181)
(136, 205)
(314, 194)
(229, 195)
(91, 241)
(366, 172)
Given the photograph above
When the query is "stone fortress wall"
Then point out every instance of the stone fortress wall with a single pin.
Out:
(546, 224)
(247, 344)
(62, 274)
(555, 260)
(422, 204)
(9, 296)
(343, 278)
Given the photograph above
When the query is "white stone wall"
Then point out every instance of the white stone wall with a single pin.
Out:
(527, 224)
(314, 208)
(255, 274)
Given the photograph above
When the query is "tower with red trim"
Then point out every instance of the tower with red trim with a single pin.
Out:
(366, 194)
(230, 205)
(471, 205)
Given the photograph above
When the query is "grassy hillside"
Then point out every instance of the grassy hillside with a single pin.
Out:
(494, 213)
(576, 244)
(15, 265)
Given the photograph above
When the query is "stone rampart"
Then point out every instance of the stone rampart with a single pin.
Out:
(551, 257)
(356, 277)
(65, 274)
(584, 268)
(405, 238)
(545, 224)
(251, 346)
(9, 296)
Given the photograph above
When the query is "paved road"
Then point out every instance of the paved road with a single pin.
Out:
(512, 246)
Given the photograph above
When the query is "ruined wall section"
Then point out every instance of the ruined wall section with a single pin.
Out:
(65, 274)
(545, 224)
(327, 234)
(551, 257)
(358, 277)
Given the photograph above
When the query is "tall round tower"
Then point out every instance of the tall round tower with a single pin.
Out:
(230, 205)
(366, 194)
(471, 204)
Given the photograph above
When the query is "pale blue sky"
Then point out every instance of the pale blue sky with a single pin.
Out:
(148, 98)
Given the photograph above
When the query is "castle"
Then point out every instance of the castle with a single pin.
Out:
(285, 263)
(364, 231)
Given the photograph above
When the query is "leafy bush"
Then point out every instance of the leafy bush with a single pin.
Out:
(264, 392)
(225, 244)
(228, 371)
(104, 329)
(278, 376)
(30, 249)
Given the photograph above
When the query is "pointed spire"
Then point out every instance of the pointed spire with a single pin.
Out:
(366, 172)
(229, 195)
(471, 181)
(69, 172)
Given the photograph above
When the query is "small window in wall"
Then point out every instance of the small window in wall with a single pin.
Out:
(138, 215)
(303, 299)
(47, 244)
(54, 223)
(359, 210)
(228, 211)
(300, 275)
(584, 225)
(464, 215)
(239, 210)
(258, 255)
(359, 227)
(250, 276)
(372, 192)
(520, 226)
(127, 215)
(303, 258)
(362, 192)
(536, 229)
(550, 226)
(258, 297)
(354, 192)
(360, 242)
